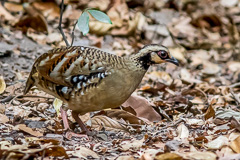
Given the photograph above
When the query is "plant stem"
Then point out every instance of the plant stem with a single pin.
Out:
(73, 32)
(60, 25)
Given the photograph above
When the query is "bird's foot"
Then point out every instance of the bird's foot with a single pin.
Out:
(71, 134)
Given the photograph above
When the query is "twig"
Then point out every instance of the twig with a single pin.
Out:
(174, 124)
(164, 114)
(10, 98)
(73, 32)
(17, 96)
(235, 85)
(7, 99)
(60, 25)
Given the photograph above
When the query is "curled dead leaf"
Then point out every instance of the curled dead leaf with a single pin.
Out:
(125, 116)
(109, 124)
(210, 111)
(142, 107)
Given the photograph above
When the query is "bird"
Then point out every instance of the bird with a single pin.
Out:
(87, 79)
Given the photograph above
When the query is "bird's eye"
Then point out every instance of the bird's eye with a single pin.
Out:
(163, 54)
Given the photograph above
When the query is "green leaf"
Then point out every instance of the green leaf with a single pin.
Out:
(100, 16)
(83, 23)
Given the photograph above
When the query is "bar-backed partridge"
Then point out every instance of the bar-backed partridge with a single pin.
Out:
(88, 79)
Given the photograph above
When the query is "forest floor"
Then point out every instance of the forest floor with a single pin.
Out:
(186, 112)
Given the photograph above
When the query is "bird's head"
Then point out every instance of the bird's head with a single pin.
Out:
(155, 54)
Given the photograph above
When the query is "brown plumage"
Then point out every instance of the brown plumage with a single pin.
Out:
(88, 79)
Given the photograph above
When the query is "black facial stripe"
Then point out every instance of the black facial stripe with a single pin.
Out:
(145, 61)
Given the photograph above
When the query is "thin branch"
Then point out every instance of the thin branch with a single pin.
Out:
(235, 85)
(73, 32)
(60, 25)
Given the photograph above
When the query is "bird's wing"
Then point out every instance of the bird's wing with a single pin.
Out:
(62, 65)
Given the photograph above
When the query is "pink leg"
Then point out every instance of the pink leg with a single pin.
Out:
(69, 133)
(79, 121)
(65, 120)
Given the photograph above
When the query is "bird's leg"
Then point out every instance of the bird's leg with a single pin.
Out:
(64, 118)
(79, 121)
(69, 133)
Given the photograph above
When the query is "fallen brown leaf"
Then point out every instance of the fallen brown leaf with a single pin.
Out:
(142, 107)
(168, 156)
(97, 122)
(3, 118)
(235, 144)
(28, 130)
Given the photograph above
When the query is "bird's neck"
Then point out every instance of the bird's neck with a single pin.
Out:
(142, 60)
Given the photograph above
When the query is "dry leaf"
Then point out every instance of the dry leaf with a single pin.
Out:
(33, 20)
(13, 7)
(28, 130)
(229, 3)
(235, 123)
(168, 156)
(129, 118)
(142, 107)
(193, 121)
(182, 131)
(187, 77)
(132, 145)
(210, 68)
(235, 144)
(2, 85)
(83, 152)
(210, 111)
(109, 124)
(162, 77)
(6, 14)
(178, 53)
(57, 104)
(199, 155)
(125, 158)
(218, 143)
(3, 118)
(49, 9)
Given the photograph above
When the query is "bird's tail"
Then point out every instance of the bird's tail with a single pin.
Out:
(30, 81)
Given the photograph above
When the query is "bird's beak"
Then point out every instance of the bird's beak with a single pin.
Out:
(173, 60)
